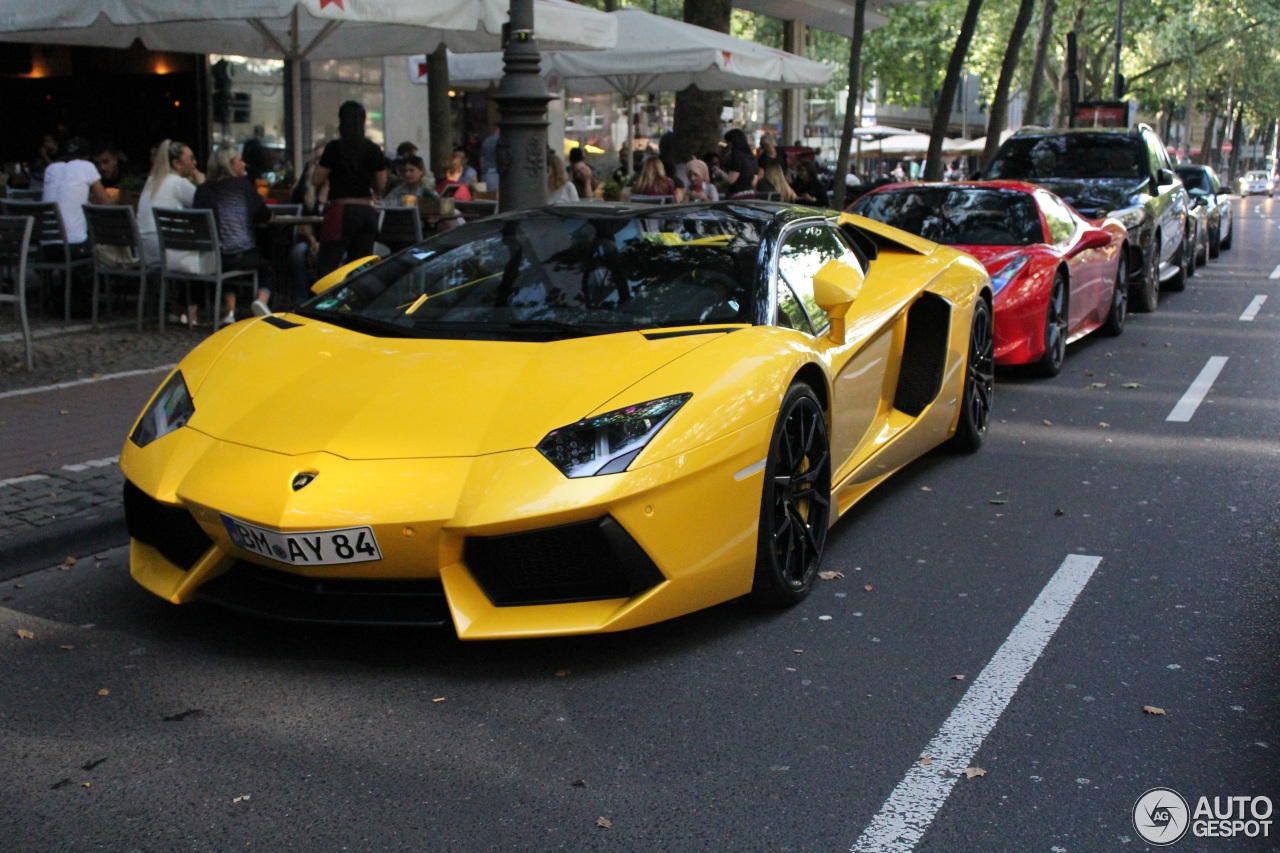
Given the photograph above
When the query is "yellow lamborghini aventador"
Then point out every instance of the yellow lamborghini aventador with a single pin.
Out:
(576, 419)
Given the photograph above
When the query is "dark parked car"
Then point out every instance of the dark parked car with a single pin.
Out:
(1208, 192)
(1124, 173)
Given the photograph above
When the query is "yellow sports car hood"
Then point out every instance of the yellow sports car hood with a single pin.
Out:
(316, 387)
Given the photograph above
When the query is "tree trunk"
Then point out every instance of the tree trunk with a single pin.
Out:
(1237, 143)
(1210, 144)
(697, 114)
(1000, 102)
(851, 108)
(1038, 68)
(439, 115)
(942, 118)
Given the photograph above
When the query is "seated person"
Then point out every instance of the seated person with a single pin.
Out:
(73, 181)
(454, 171)
(238, 209)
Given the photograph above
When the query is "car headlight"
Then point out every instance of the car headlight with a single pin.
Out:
(606, 444)
(1007, 272)
(1130, 217)
(170, 409)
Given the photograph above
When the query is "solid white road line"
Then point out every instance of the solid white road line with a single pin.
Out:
(1198, 391)
(71, 383)
(1254, 307)
(92, 463)
(23, 479)
(1275, 273)
(911, 808)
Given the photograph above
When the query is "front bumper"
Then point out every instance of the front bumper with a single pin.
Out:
(506, 543)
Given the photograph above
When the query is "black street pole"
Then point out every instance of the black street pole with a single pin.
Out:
(1117, 89)
(522, 104)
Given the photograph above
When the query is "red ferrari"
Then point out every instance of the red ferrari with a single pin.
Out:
(1056, 276)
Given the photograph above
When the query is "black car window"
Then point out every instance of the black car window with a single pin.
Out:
(958, 216)
(1195, 179)
(805, 251)
(559, 275)
(1059, 220)
(1070, 155)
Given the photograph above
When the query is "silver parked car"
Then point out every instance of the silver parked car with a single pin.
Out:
(1210, 197)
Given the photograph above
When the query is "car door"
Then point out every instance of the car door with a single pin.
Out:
(1170, 197)
(1063, 229)
(858, 379)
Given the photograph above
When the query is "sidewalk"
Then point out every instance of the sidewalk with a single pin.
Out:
(61, 428)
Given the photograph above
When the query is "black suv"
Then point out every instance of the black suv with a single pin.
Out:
(1125, 173)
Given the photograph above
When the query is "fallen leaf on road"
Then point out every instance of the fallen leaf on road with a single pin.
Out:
(1104, 424)
(925, 489)
(1097, 385)
(1048, 422)
(1154, 711)
(970, 772)
(1131, 385)
(926, 760)
(604, 823)
(86, 784)
(797, 651)
(868, 587)
(66, 647)
(1058, 512)
(240, 799)
(104, 692)
(579, 783)
(831, 576)
(561, 673)
(62, 411)
(24, 634)
(998, 501)
(438, 699)
(957, 677)
(70, 561)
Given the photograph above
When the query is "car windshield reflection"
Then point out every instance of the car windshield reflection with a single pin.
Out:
(958, 216)
(559, 275)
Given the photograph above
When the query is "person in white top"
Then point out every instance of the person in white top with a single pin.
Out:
(72, 182)
(172, 183)
(559, 188)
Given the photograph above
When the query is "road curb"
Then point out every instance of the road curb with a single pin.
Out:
(47, 546)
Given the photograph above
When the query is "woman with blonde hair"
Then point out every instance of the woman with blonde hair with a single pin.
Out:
(237, 210)
(775, 181)
(559, 188)
(653, 180)
(172, 183)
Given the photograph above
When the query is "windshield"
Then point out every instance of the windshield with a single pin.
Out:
(1195, 179)
(958, 216)
(1102, 155)
(562, 274)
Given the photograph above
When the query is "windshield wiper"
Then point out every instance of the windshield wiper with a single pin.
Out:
(359, 323)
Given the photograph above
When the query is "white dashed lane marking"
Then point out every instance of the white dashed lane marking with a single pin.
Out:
(92, 463)
(1254, 307)
(1198, 391)
(72, 383)
(913, 805)
(1275, 273)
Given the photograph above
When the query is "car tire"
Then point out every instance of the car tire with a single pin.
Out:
(1231, 230)
(1147, 292)
(1178, 281)
(1215, 242)
(979, 382)
(795, 509)
(1055, 329)
(1114, 324)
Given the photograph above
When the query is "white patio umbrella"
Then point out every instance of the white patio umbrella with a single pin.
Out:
(297, 29)
(657, 54)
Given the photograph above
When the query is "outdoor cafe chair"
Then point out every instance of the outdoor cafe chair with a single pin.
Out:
(24, 193)
(194, 231)
(118, 253)
(50, 251)
(15, 240)
(399, 227)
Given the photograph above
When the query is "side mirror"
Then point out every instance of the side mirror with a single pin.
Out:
(834, 288)
(325, 282)
(1164, 177)
(1094, 238)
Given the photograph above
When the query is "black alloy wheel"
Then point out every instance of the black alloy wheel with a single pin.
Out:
(979, 382)
(1146, 295)
(1189, 256)
(1114, 323)
(1055, 329)
(795, 509)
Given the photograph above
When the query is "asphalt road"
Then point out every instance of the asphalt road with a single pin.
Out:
(1094, 558)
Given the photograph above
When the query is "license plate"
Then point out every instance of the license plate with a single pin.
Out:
(305, 548)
